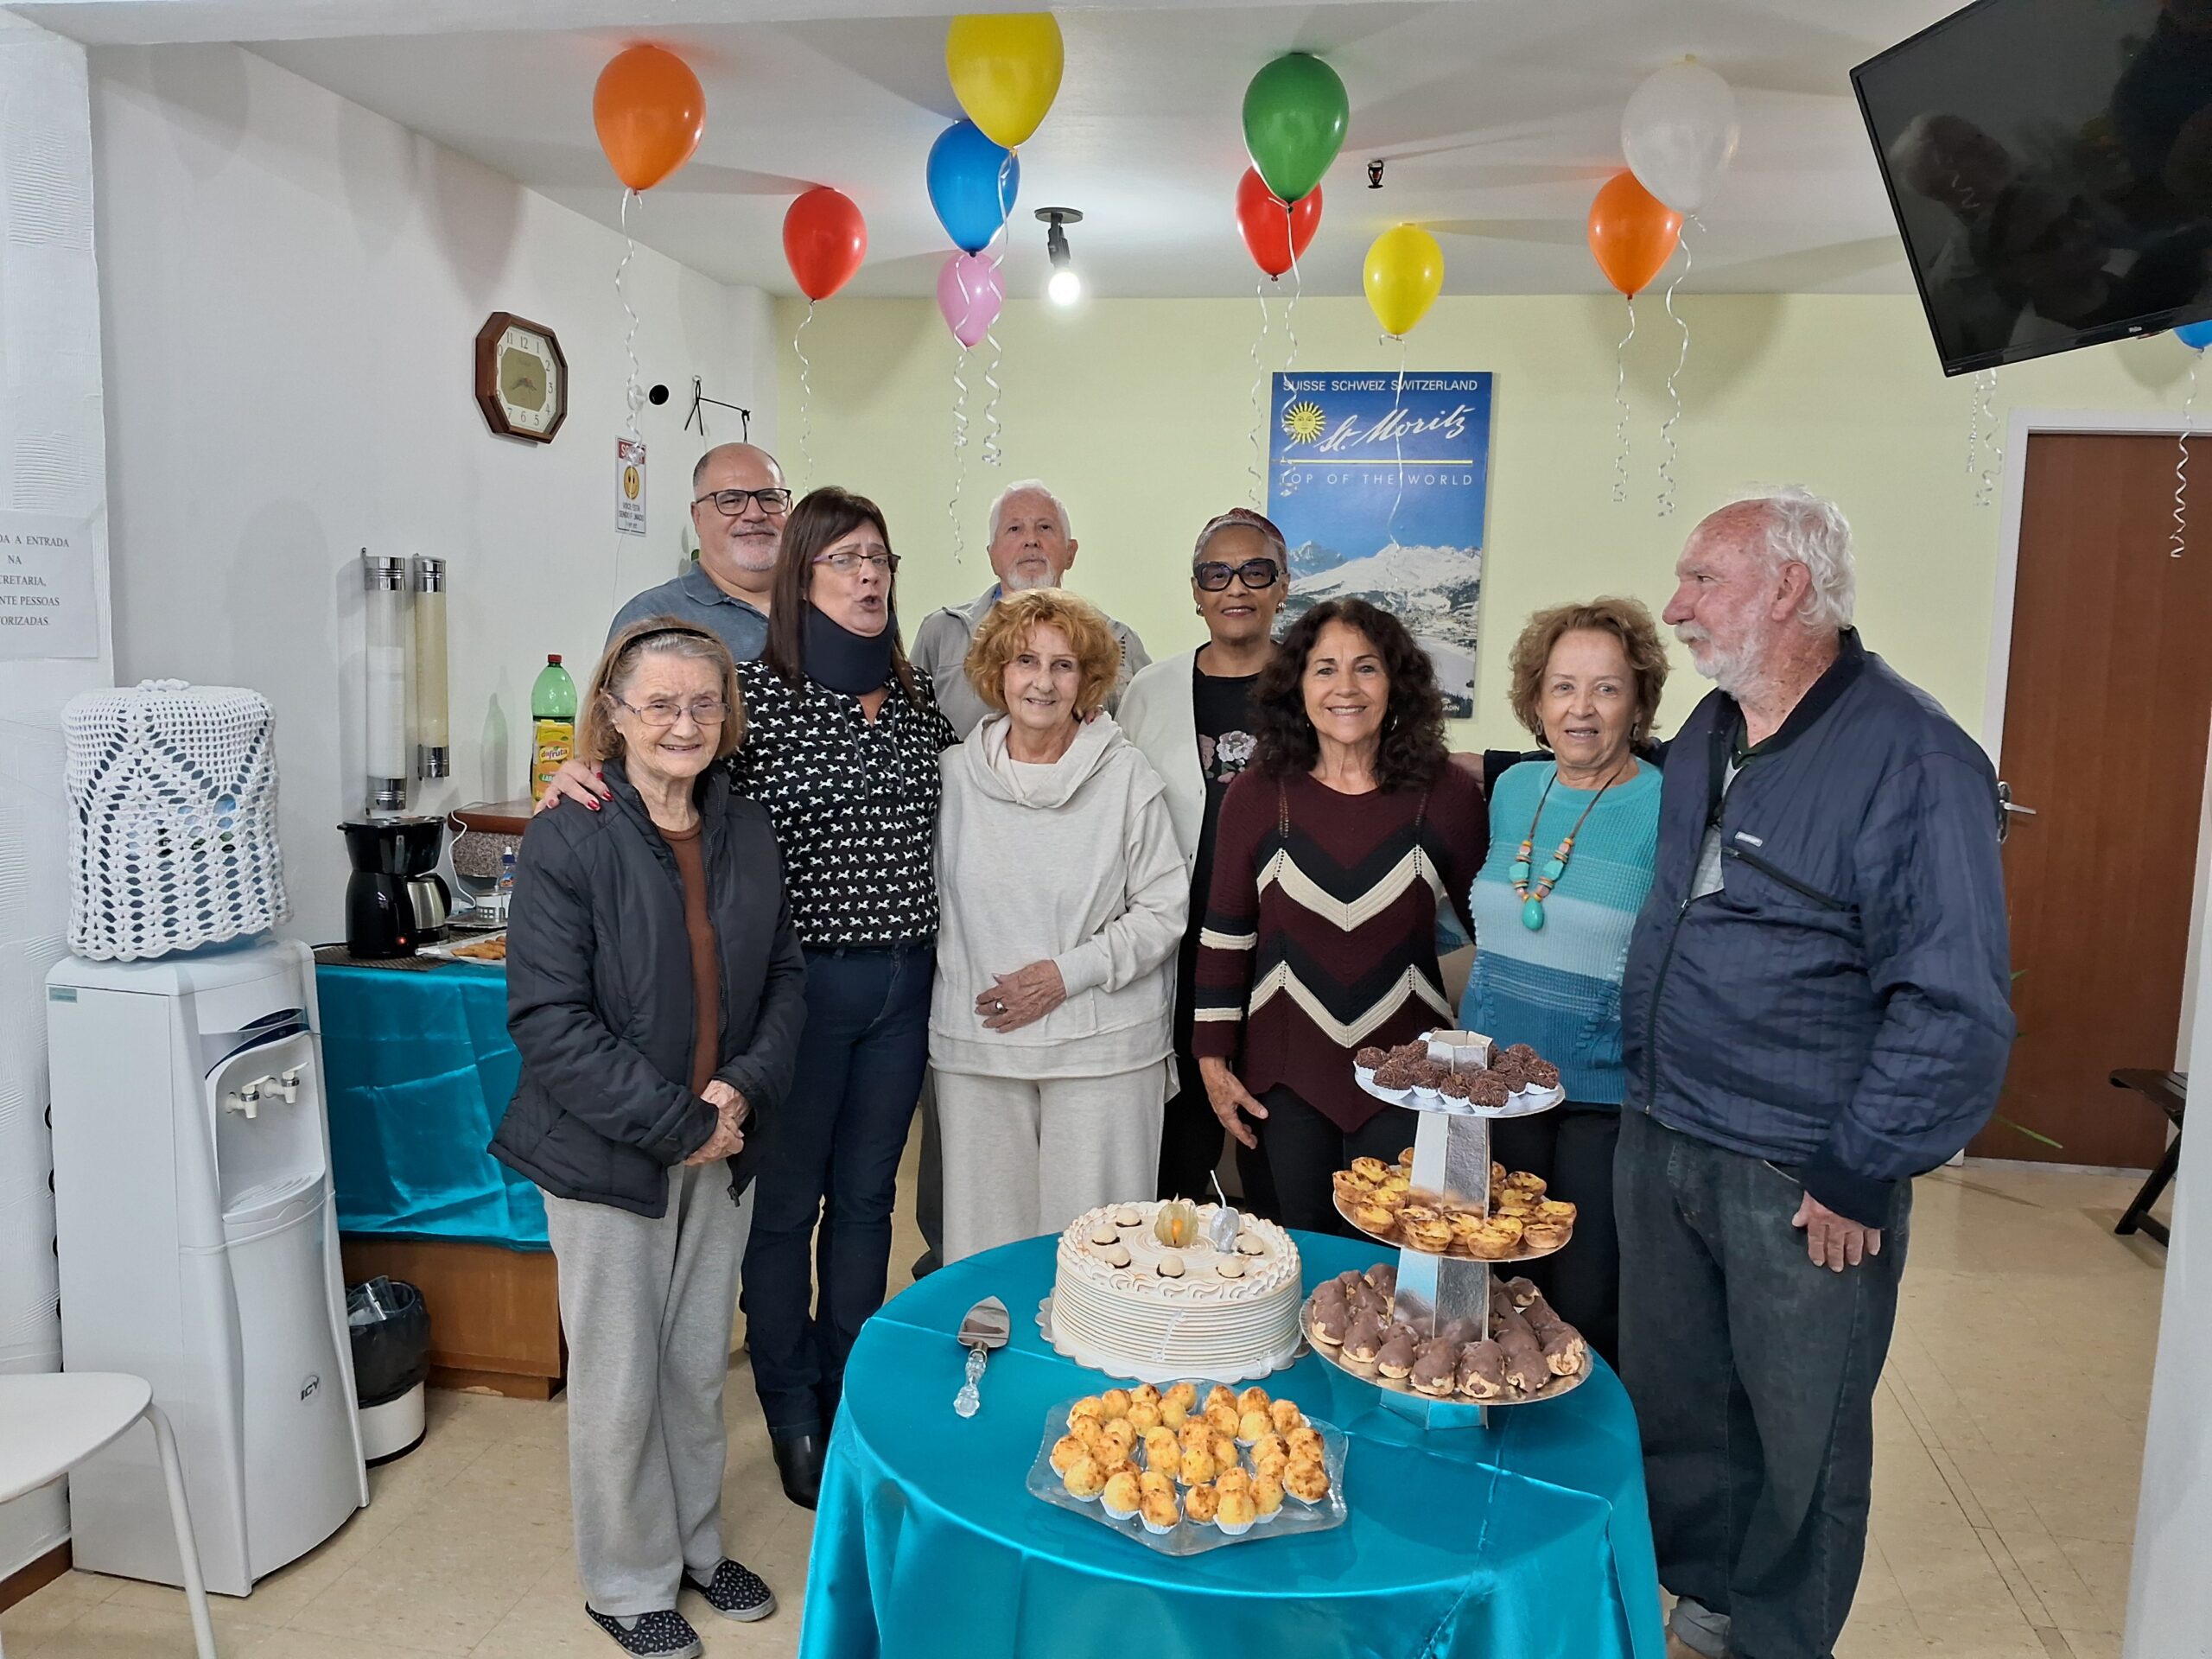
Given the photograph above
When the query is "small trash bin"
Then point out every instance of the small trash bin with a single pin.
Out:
(390, 1331)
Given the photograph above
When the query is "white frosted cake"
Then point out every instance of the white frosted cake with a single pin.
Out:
(1128, 1301)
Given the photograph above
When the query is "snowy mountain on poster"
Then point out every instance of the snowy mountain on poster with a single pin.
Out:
(1436, 591)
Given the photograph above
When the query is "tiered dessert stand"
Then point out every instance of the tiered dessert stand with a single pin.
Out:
(1452, 1158)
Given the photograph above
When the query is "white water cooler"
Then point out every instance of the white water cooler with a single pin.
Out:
(198, 1247)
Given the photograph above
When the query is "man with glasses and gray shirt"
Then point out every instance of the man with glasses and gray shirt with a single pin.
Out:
(738, 505)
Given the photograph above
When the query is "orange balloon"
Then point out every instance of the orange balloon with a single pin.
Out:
(1632, 233)
(650, 112)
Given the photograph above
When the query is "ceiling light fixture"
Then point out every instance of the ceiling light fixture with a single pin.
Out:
(1065, 287)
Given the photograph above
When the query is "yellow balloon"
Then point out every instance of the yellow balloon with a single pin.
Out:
(1404, 275)
(1005, 69)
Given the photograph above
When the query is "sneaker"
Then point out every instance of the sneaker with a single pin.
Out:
(666, 1635)
(1698, 1628)
(736, 1592)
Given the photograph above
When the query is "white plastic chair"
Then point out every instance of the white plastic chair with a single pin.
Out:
(50, 1423)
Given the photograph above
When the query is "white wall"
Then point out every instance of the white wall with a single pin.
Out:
(292, 286)
(52, 460)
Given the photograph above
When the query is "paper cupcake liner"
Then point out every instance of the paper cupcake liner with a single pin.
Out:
(1161, 1532)
(1234, 1530)
(1118, 1514)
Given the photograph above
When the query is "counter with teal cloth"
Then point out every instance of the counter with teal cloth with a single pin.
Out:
(1527, 1541)
(419, 1071)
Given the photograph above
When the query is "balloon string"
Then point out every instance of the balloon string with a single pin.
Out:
(1259, 377)
(1620, 402)
(630, 338)
(1674, 390)
(995, 250)
(1290, 312)
(805, 398)
(1398, 438)
(1993, 447)
(959, 450)
(2181, 458)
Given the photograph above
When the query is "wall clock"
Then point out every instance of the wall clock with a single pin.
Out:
(521, 378)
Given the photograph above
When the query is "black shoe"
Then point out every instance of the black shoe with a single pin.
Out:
(665, 1635)
(799, 1462)
(736, 1592)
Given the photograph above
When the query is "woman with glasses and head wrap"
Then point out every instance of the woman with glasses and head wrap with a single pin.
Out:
(1191, 716)
(656, 994)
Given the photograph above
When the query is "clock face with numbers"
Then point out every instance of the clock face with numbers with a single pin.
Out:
(521, 378)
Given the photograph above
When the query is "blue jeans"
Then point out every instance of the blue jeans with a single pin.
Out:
(831, 1156)
(1753, 1372)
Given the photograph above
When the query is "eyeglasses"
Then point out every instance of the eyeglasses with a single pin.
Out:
(731, 503)
(660, 712)
(1213, 576)
(846, 563)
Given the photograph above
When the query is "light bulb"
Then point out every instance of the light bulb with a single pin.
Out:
(1065, 288)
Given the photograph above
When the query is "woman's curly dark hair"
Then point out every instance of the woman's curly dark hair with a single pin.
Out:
(1412, 755)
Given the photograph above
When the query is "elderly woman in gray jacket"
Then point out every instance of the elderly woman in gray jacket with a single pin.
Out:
(655, 990)
(1063, 895)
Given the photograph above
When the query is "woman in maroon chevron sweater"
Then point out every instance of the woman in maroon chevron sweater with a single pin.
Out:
(1335, 848)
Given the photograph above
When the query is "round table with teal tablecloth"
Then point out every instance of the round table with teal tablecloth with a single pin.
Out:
(1526, 1541)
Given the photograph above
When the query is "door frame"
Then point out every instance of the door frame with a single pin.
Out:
(2023, 424)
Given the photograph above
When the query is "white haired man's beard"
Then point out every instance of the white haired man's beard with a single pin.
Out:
(1040, 574)
(1725, 669)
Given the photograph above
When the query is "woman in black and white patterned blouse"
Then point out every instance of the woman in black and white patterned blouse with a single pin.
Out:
(840, 745)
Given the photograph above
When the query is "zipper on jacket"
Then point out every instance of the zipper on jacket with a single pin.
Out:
(1651, 1024)
(1790, 881)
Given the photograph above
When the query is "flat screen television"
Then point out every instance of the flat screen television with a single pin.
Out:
(2050, 163)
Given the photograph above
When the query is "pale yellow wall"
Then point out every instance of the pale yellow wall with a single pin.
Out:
(1138, 412)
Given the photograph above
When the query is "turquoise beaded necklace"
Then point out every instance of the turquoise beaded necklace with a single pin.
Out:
(1532, 900)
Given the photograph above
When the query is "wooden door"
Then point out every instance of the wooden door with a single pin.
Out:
(2105, 711)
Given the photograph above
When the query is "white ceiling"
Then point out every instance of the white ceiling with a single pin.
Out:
(1498, 119)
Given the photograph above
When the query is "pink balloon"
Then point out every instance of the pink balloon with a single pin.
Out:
(970, 294)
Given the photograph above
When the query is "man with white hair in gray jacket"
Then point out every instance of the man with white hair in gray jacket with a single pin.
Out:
(1816, 1008)
(1032, 546)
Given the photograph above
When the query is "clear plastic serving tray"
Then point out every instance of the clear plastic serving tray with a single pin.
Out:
(1196, 1537)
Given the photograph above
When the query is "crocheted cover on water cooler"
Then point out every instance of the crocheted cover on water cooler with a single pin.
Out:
(173, 818)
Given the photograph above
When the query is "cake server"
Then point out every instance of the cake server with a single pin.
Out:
(984, 1327)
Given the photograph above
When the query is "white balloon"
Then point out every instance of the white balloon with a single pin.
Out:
(1679, 132)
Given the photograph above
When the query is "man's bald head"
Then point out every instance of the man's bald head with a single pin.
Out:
(751, 457)
(739, 550)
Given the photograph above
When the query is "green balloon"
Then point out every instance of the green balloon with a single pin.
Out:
(1295, 112)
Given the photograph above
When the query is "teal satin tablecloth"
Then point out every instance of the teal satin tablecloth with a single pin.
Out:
(1528, 1540)
(419, 1071)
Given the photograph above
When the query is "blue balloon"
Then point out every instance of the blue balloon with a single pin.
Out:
(964, 177)
(2195, 335)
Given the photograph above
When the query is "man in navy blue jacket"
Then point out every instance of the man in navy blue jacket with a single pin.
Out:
(1815, 1010)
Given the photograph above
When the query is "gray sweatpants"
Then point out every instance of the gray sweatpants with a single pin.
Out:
(1024, 1158)
(647, 1307)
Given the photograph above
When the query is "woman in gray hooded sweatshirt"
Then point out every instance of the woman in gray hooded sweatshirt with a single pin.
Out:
(1062, 894)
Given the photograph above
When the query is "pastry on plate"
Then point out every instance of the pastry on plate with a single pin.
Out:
(1157, 1480)
(1370, 1056)
(1119, 1438)
(1489, 1091)
(1222, 1419)
(1232, 1479)
(1350, 1188)
(1327, 1326)
(1086, 1407)
(1541, 1234)
(1185, 1394)
(1161, 1451)
(1498, 1237)
(1369, 1169)
(1067, 1451)
(1197, 1468)
(1121, 1496)
(1284, 1415)
(1374, 1218)
(1143, 1416)
(1436, 1370)
(1253, 1425)
(1195, 1436)
(1114, 1403)
(1236, 1513)
(1363, 1340)
(1252, 1398)
(1173, 1413)
(1406, 1160)
(1266, 1495)
(1220, 1395)
(1202, 1503)
(1395, 1359)
(1304, 1442)
(1432, 1233)
(1306, 1480)
(1145, 1394)
(1482, 1372)
(1159, 1513)
(1084, 1478)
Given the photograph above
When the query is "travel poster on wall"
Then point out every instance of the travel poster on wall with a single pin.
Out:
(1381, 495)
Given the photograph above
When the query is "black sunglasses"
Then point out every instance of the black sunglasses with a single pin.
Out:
(1213, 576)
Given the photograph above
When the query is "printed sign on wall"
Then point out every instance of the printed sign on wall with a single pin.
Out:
(46, 586)
(630, 485)
(1380, 495)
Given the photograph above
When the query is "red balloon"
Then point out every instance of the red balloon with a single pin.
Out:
(825, 238)
(1274, 233)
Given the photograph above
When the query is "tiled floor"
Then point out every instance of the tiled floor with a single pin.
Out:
(2010, 1431)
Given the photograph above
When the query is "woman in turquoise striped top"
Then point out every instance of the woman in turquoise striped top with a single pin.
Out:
(1570, 845)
